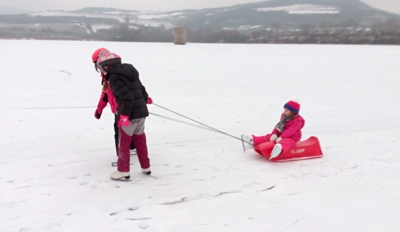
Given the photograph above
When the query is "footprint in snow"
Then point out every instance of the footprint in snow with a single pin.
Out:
(124, 210)
(94, 187)
(143, 226)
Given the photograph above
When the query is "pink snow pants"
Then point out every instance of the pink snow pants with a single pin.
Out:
(135, 132)
(286, 143)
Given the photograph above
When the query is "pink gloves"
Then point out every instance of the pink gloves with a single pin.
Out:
(97, 113)
(279, 139)
(149, 101)
(123, 121)
(101, 105)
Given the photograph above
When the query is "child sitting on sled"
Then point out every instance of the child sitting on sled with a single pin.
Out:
(286, 133)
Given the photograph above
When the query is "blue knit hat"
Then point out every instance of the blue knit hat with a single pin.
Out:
(293, 106)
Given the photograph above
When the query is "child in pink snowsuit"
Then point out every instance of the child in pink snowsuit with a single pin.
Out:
(132, 99)
(286, 133)
(107, 97)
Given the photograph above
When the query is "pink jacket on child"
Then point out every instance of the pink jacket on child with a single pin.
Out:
(291, 134)
(107, 97)
(292, 129)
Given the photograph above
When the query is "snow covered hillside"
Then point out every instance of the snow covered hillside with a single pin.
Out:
(55, 156)
(151, 19)
(303, 9)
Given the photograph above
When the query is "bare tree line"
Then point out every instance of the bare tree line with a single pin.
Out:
(347, 32)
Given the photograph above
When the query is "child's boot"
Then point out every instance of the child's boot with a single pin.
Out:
(247, 142)
(120, 175)
(146, 171)
(276, 151)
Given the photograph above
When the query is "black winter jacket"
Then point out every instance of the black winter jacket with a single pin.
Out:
(131, 95)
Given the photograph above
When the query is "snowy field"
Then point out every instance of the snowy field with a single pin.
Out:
(56, 157)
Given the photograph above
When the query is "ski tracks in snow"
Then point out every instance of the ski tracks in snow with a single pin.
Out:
(284, 226)
(188, 199)
(124, 210)
(68, 73)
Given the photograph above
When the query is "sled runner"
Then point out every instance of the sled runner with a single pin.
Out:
(307, 149)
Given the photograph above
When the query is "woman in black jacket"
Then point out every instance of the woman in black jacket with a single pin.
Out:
(131, 97)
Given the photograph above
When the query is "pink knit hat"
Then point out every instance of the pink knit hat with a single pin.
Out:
(293, 106)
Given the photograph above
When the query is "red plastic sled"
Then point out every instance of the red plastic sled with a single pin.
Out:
(307, 149)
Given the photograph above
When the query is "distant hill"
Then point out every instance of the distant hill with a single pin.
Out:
(273, 21)
(101, 10)
(286, 13)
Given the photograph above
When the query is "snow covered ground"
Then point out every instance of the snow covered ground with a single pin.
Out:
(303, 9)
(55, 157)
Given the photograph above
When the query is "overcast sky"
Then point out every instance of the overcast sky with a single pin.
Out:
(43, 5)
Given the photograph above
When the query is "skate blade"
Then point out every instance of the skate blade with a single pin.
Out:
(127, 178)
(115, 164)
(151, 176)
(243, 145)
(274, 152)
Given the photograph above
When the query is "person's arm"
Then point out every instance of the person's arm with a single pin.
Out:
(294, 128)
(101, 105)
(275, 132)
